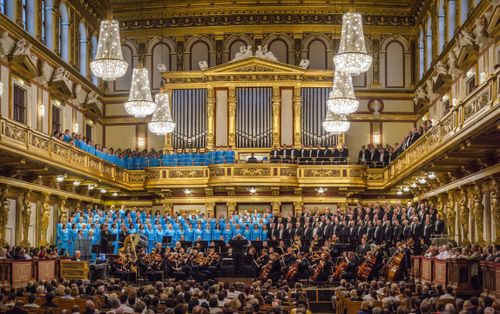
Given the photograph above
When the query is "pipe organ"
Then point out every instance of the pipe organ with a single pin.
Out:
(314, 111)
(189, 111)
(254, 127)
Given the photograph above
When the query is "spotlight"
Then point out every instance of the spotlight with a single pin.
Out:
(406, 189)
(252, 190)
(60, 178)
(321, 190)
(115, 194)
(399, 192)
(422, 181)
(91, 187)
(188, 191)
(413, 185)
(103, 191)
(76, 183)
(431, 175)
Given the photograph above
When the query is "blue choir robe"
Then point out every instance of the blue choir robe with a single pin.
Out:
(132, 230)
(73, 233)
(114, 231)
(237, 231)
(188, 234)
(216, 233)
(159, 235)
(207, 235)
(247, 234)
(170, 233)
(197, 234)
(177, 235)
(228, 234)
(213, 222)
(64, 238)
(222, 224)
(150, 233)
(256, 235)
(264, 234)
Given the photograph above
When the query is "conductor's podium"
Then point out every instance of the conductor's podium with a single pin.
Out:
(74, 270)
(457, 273)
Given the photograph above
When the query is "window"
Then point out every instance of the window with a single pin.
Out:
(56, 118)
(63, 33)
(452, 11)
(88, 131)
(428, 35)
(94, 51)
(2, 6)
(29, 16)
(19, 103)
(464, 11)
(441, 30)
(47, 24)
(470, 81)
(23, 17)
(421, 54)
(83, 49)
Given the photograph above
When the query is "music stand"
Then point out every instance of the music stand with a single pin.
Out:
(185, 244)
(166, 240)
(257, 245)
(218, 245)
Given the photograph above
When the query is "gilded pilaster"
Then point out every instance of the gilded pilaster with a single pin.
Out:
(495, 209)
(375, 63)
(276, 207)
(451, 215)
(211, 118)
(297, 107)
(276, 116)
(4, 213)
(478, 212)
(169, 208)
(38, 19)
(168, 137)
(45, 219)
(25, 217)
(297, 208)
(210, 209)
(231, 207)
(231, 121)
(463, 215)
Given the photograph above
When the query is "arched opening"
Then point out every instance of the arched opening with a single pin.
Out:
(63, 32)
(235, 47)
(317, 55)
(441, 27)
(10, 9)
(451, 18)
(428, 35)
(280, 49)
(160, 54)
(93, 42)
(199, 52)
(2, 6)
(83, 49)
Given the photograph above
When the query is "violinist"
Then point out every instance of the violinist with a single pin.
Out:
(276, 267)
(289, 256)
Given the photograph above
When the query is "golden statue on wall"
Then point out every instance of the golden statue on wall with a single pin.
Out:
(495, 209)
(440, 205)
(63, 211)
(451, 215)
(463, 215)
(4, 214)
(26, 218)
(478, 212)
(45, 217)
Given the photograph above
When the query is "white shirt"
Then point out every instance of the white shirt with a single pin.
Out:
(443, 255)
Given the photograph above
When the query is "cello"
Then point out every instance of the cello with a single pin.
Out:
(393, 266)
(366, 268)
(341, 267)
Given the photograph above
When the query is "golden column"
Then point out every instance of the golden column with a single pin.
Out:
(4, 213)
(231, 119)
(210, 209)
(276, 116)
(297, 208)
(276, 207)
(211, 118)
(169, 208)
(495, 209)
(297, 108)
(45, 219)
(168, 137)
(478, 212)
(231, 207)
(26, 217)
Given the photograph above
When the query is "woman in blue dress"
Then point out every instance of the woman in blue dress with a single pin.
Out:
(150, 233)
(256, 233)
(64, 238)
(216, 233)
(188, 233)
(198, 233)
(170, 232)
(207, 233)
(228, 233)
(264, 233)
(247, 234)
(73, 234)
(114, 231)
(159, 233)
(237, 230)
(179, 233)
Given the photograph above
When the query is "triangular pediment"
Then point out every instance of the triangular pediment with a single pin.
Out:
(493, 26)
(467, 56)
(92, 110)
(24, 66)
(441, 83)
(254, 65)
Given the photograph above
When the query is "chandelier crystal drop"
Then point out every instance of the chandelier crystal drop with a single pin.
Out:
(342, 100)
(336, 124)
(109, 64)
(352, 57)
(140, 103)
(161, 121)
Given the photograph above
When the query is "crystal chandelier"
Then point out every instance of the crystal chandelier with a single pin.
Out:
(109, 64)
(161, 121)
(336, 123)
(140, 103)
(352, 57)
(342, 100)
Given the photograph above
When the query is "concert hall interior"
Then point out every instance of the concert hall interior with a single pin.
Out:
(249, 156)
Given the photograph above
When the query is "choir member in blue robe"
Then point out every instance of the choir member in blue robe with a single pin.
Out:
(264, 233)
(73, 233)
(228, 233)
(237, 230)
(159, 233)
(207, 233)
(170, 232)
(188, 234)
(198, 233)
(64, 238)
(256, 233)
(247, 233)
(216, 233)
(150, 233)
(114, 231)
(179, 233)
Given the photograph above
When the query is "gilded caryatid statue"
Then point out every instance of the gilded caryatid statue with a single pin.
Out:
(440, 205)
(451, 215)
(463, 215)
(495, 209)
(63, 211)
(45, 217)
(26, 218)
(478, 212)
(4, 214)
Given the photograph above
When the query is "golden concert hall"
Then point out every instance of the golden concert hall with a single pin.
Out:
(249, 156)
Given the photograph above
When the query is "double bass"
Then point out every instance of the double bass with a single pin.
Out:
(366, 268)
(341, 267)
(393, 266)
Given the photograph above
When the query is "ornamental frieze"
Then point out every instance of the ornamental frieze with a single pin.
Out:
(217, 172)
(154, 175)
(13, 132)
(476, 104)
(185, 173)
(138, 177)
(288, 172)
(252, 172)
(322, 173)
(39, 142)
(261, 19)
